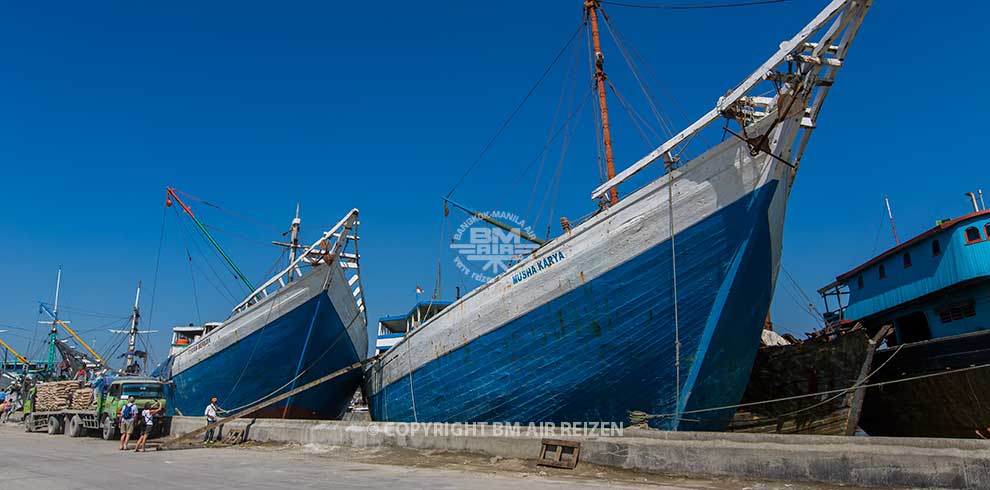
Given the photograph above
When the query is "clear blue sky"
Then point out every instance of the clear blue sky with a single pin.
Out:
(381, 105)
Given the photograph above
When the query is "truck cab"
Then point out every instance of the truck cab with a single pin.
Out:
(144, 391)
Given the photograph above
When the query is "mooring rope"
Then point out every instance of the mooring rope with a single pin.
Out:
(639, 417)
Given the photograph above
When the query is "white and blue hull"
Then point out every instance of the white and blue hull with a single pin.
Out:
(583, 330)
(301, 332)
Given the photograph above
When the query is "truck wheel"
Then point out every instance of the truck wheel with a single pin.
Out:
(75, 428)
(29, 423)
(54, 425)
(109, 429)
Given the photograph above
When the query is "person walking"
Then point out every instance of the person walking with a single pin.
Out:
(127, 415)
(211, 417)
(148, 414)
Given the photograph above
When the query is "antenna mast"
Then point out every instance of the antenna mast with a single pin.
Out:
(591, 8)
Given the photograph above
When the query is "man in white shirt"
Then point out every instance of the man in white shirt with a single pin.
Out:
(211, 417)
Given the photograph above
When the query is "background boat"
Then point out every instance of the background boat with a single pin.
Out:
(304, 322)
(935, 290)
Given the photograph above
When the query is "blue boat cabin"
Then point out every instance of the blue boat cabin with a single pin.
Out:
(935, 285)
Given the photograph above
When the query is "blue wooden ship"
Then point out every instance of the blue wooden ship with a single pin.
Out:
(934, 289)
(653, 304)
(302, 323)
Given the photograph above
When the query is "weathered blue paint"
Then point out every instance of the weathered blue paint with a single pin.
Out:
(266, 361)
(958, 274)
(607, 347)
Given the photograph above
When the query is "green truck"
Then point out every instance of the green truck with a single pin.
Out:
(103, 414)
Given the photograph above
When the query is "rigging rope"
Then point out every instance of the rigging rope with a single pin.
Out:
(158, 260)
(665, 125)
(811, 304)
(623, 46)
(236, 215)
(515, 111)
(222, 288)
(693, 7)
(673, 265)
(569, 86)
(635, 118)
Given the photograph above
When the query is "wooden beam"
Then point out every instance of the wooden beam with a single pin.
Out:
(786, 48)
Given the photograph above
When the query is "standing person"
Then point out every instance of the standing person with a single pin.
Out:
(5, 408)
(211, 417)
(148, 414)
(81, 374)
(127, 415)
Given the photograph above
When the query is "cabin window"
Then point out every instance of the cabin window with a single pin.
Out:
(973, 235)
(859, 282)
(883, 271)
(907, 259)
(957, 312)
(986, 230)
(936, 248)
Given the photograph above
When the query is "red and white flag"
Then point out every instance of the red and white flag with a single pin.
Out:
(419, 290)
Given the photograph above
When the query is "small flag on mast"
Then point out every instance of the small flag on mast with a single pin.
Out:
(419, 290)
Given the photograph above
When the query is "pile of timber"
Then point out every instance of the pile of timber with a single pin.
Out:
(81, 398)
(54, 396)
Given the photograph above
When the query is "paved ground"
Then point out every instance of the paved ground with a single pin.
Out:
(43, 462)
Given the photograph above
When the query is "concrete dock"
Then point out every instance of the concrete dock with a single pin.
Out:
(833, 460)
(43, 462)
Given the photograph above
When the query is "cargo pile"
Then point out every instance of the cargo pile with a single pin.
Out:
(54, 396)
(81, 398)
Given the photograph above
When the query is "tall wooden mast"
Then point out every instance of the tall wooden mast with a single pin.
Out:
(591, 7)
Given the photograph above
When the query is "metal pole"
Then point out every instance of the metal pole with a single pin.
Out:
(494, 222)
(134, 323)
(972, 197)
(592, 6)
(168, 202)
(53, 334)
(295, 240)
(981, 199)
(890, 215)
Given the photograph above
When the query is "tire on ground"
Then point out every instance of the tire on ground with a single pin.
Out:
(75, 427)
(54, 425)
(109, 429)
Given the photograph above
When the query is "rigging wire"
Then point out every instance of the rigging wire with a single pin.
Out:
(811, 304)
(158, 261)
(693, 7)
(634, 117)
(515, 111)
(630, 62)
(232, 213)
(568, 88)
(620, 38)
(597, 112)
(222, 288)
(565, 144)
